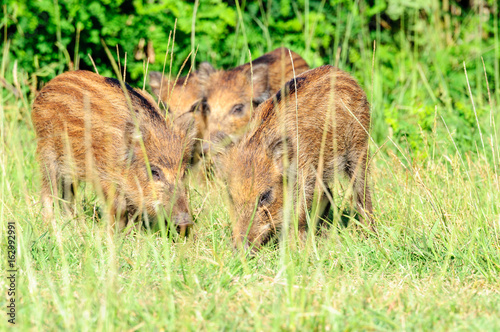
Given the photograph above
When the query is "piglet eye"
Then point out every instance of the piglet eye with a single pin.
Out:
(156, 173)
(265, 198)
(237, 109)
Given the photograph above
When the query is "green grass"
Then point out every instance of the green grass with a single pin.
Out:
(434, 264)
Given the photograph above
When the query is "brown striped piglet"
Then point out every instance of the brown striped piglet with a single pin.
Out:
(89, 129)
(313, 129)
(232, 95)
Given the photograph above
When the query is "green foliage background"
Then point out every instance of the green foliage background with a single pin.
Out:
(435, 261)
(415, 78)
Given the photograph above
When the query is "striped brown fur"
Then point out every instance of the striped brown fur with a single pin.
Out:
(231, 95)
(87, 132)
(318, 124)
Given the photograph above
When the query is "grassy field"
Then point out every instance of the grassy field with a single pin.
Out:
(434, 264)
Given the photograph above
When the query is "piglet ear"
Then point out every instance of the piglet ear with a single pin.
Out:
(155, 82)
(204, 71)
(258, 75)
(280, 150)
(190, 133)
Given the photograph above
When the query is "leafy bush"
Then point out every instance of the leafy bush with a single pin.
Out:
(417, 71)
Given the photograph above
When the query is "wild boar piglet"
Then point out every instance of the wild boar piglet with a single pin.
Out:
(312, 130)
(231, 95)
(88, 130)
